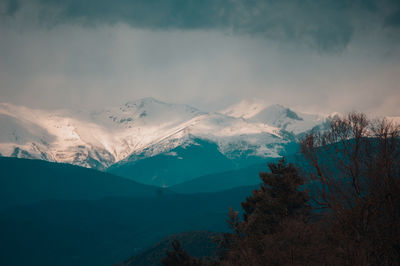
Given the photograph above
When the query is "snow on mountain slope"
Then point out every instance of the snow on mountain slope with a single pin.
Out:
(136, 125)
(288, 120)
(231, 135)
(275, 115)
(142, 128)
(394, 119)
(237, 134)
(51, 136)
(245, 109)
(90, 139)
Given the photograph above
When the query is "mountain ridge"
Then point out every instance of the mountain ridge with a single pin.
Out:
(143, 128)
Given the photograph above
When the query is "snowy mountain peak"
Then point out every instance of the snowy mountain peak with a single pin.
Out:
(142, 103)
(249, 109)
(245, 109)
(275, 115)
(152, 103)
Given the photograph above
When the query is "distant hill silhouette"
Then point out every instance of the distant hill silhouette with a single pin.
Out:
(246, 176)
(24, 181)
(176, 166)
(196, 243)
(223, 180)
(109, 230)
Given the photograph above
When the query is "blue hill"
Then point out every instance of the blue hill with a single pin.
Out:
(24, 181)
(176, 166)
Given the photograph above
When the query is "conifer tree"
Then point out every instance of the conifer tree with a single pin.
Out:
(279, 205)
(179, 257)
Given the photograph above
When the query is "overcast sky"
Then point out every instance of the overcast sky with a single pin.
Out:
(315, 56)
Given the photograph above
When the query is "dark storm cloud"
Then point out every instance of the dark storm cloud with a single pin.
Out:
(9, 7)
(326, 25)
(393, 20)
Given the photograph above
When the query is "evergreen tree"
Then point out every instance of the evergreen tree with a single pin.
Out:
(278, 197)
(278, 206)
(179, 257)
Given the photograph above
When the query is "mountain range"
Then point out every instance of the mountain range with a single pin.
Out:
(130, 137)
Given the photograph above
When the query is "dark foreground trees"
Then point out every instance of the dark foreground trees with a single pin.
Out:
(178, 256)
(273, 218)
(341, 207)
(354, 172)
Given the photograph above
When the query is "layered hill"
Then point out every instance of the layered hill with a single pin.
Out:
(24, 181)
(106, 231)
(60, 214)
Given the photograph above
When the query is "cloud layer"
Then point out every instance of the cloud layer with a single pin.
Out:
(318, 56)
(326, 26)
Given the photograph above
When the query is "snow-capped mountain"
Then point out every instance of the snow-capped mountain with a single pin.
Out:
(275, 115)
(145, 128)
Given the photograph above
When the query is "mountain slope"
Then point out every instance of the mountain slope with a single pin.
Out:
(88, 138)
(245, 176)
(222, 180)
(183, 163)
(25, 181)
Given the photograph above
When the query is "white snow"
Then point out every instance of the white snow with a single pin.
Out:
(394, 119)
(245, 109)
(275, 115)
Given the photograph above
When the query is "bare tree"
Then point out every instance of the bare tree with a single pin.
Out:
(342, 208)
(354, 175)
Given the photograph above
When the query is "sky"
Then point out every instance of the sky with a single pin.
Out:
(313, 55)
